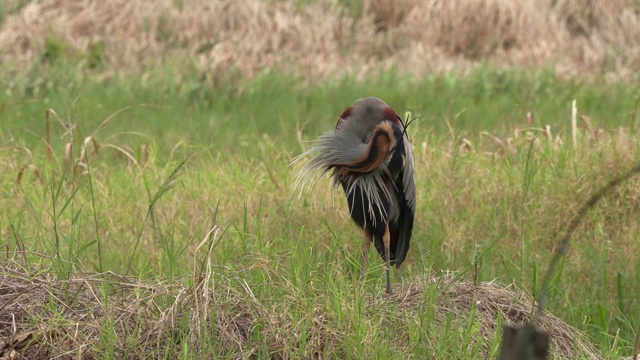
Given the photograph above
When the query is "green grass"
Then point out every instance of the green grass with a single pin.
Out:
(133, 208)
(236, 111)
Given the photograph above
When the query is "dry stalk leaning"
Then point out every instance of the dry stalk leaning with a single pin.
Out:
(528, 342)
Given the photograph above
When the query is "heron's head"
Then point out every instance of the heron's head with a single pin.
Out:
(360, 119)
(361, 148)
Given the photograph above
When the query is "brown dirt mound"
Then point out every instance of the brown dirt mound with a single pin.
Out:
(575, 37)
(42, 316)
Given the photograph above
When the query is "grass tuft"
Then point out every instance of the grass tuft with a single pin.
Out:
(107, 315)
(168, 184)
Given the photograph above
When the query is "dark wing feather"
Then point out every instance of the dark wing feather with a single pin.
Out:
(407, 189)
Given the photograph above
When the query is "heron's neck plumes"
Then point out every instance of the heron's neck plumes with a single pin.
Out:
(360, 166)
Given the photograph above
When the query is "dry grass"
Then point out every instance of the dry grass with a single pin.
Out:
(45, 317)
(493, 301)
(575, 37)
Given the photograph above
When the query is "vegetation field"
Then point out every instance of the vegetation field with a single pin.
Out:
(148, 206)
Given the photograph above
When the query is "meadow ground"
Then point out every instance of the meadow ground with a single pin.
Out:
(148, 209)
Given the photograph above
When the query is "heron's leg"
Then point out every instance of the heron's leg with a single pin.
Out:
(386, 239)
(365, 252)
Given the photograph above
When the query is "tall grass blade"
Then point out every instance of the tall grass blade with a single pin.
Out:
(94, 212)
(169, 183)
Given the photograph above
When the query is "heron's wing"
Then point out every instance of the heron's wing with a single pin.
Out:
(407, 188)
(408, 182)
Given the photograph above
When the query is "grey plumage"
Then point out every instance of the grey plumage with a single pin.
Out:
(370, 155)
